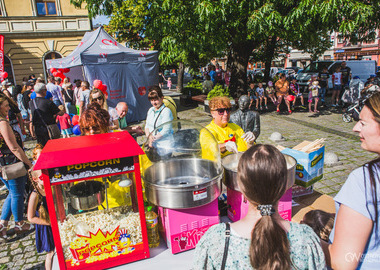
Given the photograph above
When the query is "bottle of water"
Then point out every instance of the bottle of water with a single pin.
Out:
(152, 227)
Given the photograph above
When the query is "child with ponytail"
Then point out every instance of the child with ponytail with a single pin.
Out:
(262, 239)
(37, 214)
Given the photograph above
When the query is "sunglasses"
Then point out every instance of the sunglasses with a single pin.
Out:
(97, 99)
(222, 110)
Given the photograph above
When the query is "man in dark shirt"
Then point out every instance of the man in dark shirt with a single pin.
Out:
(346, 74)
(323, 78)
(43, 113)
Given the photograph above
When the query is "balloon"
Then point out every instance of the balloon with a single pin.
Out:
(98, 84)
(52, 70)
(75, 120)
(76, 130)
(55, 73)
(103, 88)
(291, 98)
(4, 75)
(65, 70)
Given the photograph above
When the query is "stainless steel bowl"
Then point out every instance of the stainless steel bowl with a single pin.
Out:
(230, 164)
(87, 195)
(183, 183)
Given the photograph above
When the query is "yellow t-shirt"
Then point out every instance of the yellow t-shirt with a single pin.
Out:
(231, 132)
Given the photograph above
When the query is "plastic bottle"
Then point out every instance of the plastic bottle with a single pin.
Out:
(152, 227)
(81, 228)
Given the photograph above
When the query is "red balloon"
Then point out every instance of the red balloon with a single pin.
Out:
(104, 88)
(55, 73)
(98, 84)
(75, 120)
(291, 98)
(65, 70)
(4, 75)
(52, 70)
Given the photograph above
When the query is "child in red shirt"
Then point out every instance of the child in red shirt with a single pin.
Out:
(65, 123)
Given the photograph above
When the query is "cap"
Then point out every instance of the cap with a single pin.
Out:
(372, 75)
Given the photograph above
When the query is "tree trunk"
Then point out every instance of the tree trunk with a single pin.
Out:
(238, 58)
(269, 53)
(181, 71)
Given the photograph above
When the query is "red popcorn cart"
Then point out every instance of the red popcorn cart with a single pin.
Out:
(95, 200)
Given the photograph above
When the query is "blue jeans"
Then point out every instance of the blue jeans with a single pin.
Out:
(14, 203)
(57, 102)
(322, 93)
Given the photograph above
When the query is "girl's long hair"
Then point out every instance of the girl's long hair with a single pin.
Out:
(262, 174)
(373, 104)
(42, 211)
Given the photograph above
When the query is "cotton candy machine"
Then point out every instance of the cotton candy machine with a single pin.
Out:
(183, 177)
(238, 205)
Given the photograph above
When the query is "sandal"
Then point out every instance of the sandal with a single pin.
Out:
(3, 235)
(19, 229)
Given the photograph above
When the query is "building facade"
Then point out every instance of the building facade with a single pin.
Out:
(37, 30)
(346, 50)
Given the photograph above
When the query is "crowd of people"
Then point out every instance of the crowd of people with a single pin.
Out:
(262, 239)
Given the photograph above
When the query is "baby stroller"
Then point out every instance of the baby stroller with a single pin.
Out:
(353, 111)
(352, 100)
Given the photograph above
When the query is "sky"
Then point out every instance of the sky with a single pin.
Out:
(101, 19)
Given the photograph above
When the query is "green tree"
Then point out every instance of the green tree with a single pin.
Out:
(189, 31)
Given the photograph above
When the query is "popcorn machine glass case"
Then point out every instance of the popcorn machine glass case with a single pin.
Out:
(95, 203)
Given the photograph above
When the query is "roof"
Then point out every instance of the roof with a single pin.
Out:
(98, 47)
(83, 149)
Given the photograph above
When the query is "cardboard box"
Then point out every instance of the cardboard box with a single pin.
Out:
(309, 167)
(314, 201)
(299, 191)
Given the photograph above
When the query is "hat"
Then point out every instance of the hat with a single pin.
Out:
(372, 75)
(270, 83)
(356, 77)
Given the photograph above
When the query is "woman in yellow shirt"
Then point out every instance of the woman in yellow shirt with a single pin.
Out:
(230, 137)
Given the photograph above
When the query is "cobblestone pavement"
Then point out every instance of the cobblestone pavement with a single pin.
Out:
(20, 252)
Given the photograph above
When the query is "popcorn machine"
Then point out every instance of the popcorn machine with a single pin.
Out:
(95, 201)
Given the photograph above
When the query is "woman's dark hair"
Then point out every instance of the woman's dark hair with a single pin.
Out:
(262, 173)
(78, 83)
(94, 116)
(321, 222)
(155, 92)
(373, 104)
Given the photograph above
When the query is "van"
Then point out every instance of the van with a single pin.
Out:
(361, 68)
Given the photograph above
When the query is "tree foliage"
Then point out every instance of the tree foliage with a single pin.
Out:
(192, 32)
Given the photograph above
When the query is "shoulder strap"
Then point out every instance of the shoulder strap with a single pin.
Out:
(36, 109)
(155, 122)
(226, 244)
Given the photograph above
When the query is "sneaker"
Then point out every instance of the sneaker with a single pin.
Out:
(292, 108)
(303, 107)
(278, 110)
(261, 108)
(266, 107)
(290, 112)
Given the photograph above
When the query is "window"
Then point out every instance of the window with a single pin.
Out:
(46, 7)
